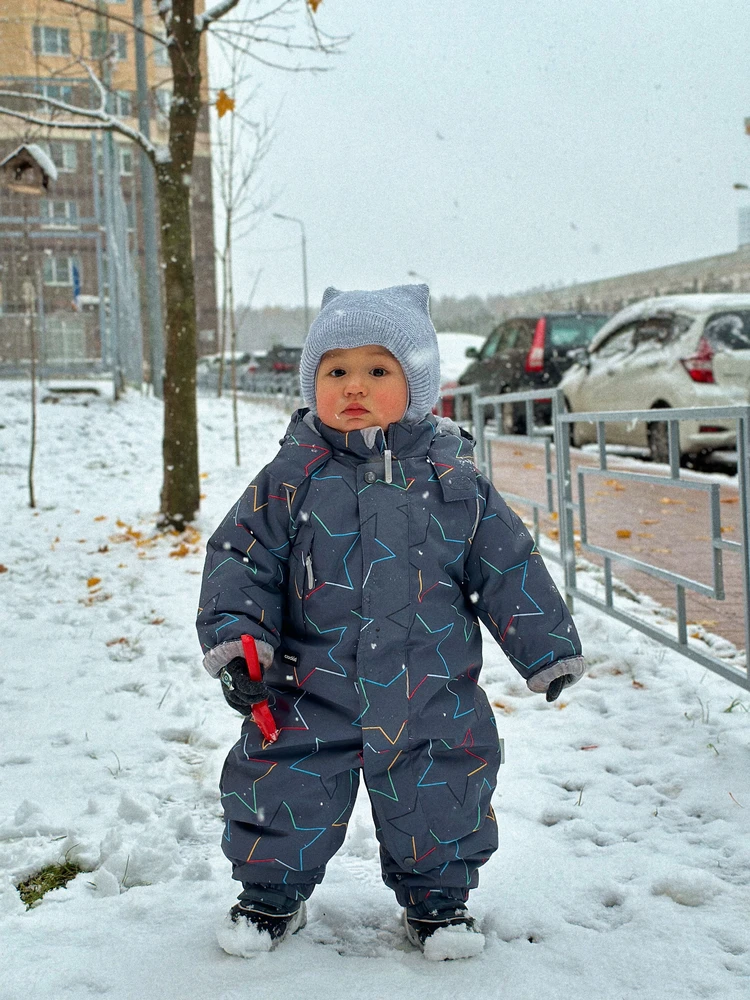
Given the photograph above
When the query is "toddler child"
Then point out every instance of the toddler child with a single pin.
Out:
(360, 561)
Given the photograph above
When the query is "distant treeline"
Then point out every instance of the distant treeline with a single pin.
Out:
(259, 329)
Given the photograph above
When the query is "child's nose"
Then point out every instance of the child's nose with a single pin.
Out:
(355, 386)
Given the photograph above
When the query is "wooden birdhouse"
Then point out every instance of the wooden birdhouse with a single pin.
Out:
(28, 170)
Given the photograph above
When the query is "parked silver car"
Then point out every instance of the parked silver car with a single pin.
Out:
(671, 351)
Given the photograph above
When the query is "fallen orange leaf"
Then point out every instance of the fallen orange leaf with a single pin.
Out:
(93, 580)
(650, 520)
(623, 533)
(668, 500)
(3, 569)
(102, 517)
(730, 500)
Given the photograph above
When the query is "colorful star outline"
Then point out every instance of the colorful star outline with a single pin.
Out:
(524, 566)
(380, 684)
(391, 555)
(377, 791)
(341, 630)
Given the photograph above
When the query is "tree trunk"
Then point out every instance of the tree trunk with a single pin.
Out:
(180, 496)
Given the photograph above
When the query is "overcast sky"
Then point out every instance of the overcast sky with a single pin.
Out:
(490, 146)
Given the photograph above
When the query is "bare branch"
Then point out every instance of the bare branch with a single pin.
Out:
(112, 17)
(98, 84)
(97, 118)
(224, 38)
(202, 21)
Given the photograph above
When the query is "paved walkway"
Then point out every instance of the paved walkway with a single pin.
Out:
(665, 525)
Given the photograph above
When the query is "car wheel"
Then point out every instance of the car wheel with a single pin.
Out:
(513, 418)
(658, 442)
(569, 428)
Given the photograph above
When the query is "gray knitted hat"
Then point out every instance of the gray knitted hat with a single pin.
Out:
(396, 318)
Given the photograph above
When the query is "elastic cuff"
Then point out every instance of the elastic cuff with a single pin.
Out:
(219, 656)
(574, 666)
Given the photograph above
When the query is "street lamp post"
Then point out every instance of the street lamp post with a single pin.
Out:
(300, 223)
(419, 277)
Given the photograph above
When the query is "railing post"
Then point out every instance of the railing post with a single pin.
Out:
(477, 420)
(564, 497)
(743, 475)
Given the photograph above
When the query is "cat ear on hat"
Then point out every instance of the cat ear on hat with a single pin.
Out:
(419, 293)
(328, 295)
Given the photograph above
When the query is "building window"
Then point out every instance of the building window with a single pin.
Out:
(163, 101)
(59, 213)
(126, 161)
(51, 41)
(161, 54)
(123, 103)
(102, 44)
(58, 269)
(63, 154)
(57, 91)
(130, 214)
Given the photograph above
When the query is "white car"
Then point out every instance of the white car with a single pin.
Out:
(671, 351)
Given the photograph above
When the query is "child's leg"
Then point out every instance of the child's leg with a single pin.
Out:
(448, 868)
(286, 808)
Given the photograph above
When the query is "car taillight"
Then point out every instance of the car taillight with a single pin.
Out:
(700, 365)
(535, 357)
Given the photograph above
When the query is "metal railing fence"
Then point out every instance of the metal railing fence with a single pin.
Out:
(487, 417)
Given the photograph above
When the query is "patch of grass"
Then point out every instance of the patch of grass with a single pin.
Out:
(50, 877)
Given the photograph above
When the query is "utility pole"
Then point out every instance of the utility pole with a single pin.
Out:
(110, 177)
(148, 194)
(300, 223)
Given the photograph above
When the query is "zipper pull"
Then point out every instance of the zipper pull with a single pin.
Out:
(388, 466)
(310, 577)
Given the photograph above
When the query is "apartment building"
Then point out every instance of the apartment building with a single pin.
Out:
(57, 240)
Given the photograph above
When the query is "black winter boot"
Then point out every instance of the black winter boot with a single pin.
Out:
(275, 911)
(459, 938)
(279, 924)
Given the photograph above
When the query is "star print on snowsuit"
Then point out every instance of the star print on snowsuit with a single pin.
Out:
(369, 591)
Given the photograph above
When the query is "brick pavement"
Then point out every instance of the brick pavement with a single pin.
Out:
(665, 525)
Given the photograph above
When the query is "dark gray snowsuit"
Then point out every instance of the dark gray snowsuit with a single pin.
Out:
(366, 573)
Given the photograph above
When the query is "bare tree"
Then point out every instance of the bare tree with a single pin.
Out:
(239, 145)
(254, 28)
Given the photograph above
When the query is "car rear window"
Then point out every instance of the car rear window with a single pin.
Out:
(574, 331)
(729, 331)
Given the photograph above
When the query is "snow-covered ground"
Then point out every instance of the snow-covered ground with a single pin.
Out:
(624, 810)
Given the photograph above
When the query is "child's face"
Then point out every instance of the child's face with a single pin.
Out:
(359, 387)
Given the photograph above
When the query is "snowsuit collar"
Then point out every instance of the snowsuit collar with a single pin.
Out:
(404, 439)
